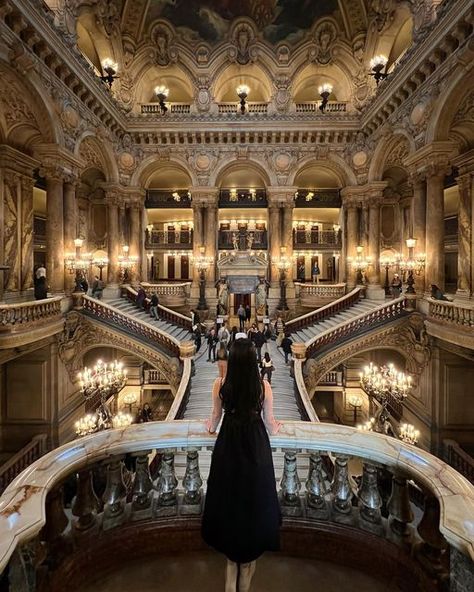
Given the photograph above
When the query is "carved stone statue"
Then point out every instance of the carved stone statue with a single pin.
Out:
(223, 298)
(261, 298)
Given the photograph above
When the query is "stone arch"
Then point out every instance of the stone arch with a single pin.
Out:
(143, 173)
(258, 167)
(97, 153)
(255, 76)
(399, 140)
(27, 115)
(333, 163)
(312, 75)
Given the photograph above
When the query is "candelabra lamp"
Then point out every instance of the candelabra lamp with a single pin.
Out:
(78, 264)
(162, 93)
(243, 92)
(408, 434)
(109, 67)
(101, 383)
(377, 65)
(126, 264)
(385, 384)
(100, 263)
(360, 264)
(202, 264)
(389, 262)
(413, 264)
(325, 91)
(130, 399)
(355, 401)
(284, 263)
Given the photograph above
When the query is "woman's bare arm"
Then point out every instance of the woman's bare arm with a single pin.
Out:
(216, 412)
(270, 422)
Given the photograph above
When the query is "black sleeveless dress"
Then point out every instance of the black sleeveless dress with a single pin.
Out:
(241, 514)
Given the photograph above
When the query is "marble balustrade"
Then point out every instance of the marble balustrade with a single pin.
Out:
(456, 313)
(381, 503)
(24, 315)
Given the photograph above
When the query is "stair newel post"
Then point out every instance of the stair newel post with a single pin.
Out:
(370, 500)
(86, 504)
(290, 486)
(114, 495)
(399, 507)
(56, 523)
(341, 488)
(142, 486)
(167, 504)
(316, 505)
(192, 483)
(431, 551)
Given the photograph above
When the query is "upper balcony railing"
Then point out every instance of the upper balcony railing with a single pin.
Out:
(242, 240)
(318, 198)
(168, 239)
(234, 108)
(159, 492)
(162, 198)
(456, 313)
(242, 198)
(317, 239)
(313, 107)
(173, 108)
(25, 317)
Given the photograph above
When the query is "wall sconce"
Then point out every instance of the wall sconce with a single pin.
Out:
(243, 92)
(378, 64)
(100, 262)
(162, 93)
(126, 263)
(110, 68)
(324, 91)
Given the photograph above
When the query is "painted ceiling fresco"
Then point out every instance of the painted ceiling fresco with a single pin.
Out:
(209, 20)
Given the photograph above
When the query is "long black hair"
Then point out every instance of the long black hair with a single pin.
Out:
(242, 391)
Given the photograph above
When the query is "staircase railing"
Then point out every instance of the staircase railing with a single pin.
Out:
(22, 459)
(165, 313)
(451, 312)
(357, 325)
(324, 312)
(34, 498)
(132, 325)
(23, 315)
(459, 459)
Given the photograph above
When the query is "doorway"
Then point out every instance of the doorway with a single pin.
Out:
(171, 267)
(184, 267)
(241, 299)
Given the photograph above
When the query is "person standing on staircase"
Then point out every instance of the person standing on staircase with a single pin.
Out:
(259, 341)
(241, 315)
(212, 340)
(286, 346)
(154, 303)
(267, 368)
(242, 517)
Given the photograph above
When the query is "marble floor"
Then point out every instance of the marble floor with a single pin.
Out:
(204, 571)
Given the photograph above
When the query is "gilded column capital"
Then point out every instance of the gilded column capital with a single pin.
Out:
(432, 160)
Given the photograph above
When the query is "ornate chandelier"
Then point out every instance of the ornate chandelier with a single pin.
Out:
(385, 384)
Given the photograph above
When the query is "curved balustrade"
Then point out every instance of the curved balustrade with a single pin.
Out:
(451, 312)
(325, 311)
(24, 314)
(359, 324)
(378, 505)
(22, 459)
(134, 326)
(165, 313)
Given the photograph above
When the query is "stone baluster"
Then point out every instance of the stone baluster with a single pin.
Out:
(55, 525)
(86, 504)
(341, 488)
(370, 500)
(316, 506)
(290, 486)
(114, 495)
(142, 486)
(399, 507)
(434, 545)
(166, 486)
(192, 484)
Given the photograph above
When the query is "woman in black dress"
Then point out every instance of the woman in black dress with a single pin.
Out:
(241, 514)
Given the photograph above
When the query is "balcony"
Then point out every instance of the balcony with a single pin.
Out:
(318, 198)
(234, 108)
(243, 198)
(242, 240)
(173, 108)
(369, 502)
(159, 198)
(317, 239)
(313, 107)
(167, 239)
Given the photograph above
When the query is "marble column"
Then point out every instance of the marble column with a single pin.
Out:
(55, 232)
(374, 241)
(135, 240)
(352, 239)
(435, 230)
(464, 288)
(70, 216)
(418, 211)
(287, 233)
(113, 240)
(275, 241)
(11, 229)
(26, 277)
(198, 239)
(210, 240)
(364, 227)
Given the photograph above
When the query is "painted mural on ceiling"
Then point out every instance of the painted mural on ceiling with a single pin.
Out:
(209, 20)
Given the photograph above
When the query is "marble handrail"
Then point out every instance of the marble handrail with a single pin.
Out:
(456, 313)
(25, 313)
(166, 313)
(325, 311)
(35, 448)
(22, 506)
(305, 399)
(179, 401)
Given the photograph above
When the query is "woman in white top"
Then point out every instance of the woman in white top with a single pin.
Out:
(267, 368)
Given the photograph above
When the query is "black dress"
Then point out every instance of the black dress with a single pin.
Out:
(242, 514)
